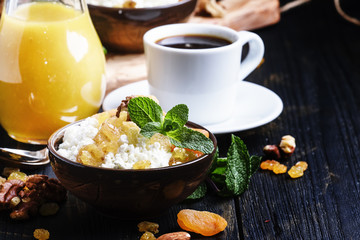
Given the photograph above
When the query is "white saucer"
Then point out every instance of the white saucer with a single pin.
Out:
(260, 106)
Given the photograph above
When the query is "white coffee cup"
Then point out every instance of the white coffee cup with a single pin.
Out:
(206, 80)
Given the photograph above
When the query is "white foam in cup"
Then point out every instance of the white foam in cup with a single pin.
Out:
(206, 80)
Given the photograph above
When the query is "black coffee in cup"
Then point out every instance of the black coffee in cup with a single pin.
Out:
(193, 41)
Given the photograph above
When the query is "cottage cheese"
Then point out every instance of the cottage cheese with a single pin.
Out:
(127, 155)
(139, 3)
(77, 136)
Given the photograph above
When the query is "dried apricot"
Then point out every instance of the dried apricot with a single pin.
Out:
(202, 222)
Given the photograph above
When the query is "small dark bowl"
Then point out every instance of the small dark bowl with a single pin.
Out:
(129, 194)
(122, 29)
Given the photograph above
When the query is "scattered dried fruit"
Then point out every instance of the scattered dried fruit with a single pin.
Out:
(9, 190)
(8, 170)
(298, 170)
(287, 146)
(17, 175)
(282, 151)
(268, 164)
(274, 166)
(23, 199)
(272, 152)
(295, 172)
(202, 222)
(41, 234)
(302, 165)
(148, 236)
(175, 236)
(280, 169)
(146, 226)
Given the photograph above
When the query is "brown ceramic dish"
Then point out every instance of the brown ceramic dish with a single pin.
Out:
(126, 194)
(122, 29)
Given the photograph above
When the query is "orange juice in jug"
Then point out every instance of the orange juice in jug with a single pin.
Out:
(51, 69)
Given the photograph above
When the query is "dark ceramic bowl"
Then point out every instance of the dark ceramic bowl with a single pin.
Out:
(122, 29)
(135, 194)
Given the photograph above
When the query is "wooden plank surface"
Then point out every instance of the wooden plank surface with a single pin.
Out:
(312, 62)
(314, 69)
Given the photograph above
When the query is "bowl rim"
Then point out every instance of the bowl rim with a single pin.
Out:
(160, 7)
(57, 135)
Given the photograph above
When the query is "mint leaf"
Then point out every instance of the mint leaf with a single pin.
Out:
(149, 129)
(187, 138)
(200, 192)
(218, 171)
(254, 164)
(148, 115)
(238, 166)
(232, 174)
(178, 114)
(170, 126)
(143, 110)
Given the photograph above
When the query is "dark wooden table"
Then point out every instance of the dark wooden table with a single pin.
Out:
(312, 61)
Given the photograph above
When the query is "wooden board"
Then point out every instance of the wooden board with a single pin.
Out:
(240, 15)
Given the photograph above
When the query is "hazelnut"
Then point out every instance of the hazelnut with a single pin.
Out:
(287, 145)
(272, 152)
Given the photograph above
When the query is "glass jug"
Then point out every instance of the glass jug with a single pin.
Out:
(51, 67)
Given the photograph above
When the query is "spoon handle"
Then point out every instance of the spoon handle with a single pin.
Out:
(23, 155)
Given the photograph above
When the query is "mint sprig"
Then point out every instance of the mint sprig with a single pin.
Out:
(230, 176)
(148, 115)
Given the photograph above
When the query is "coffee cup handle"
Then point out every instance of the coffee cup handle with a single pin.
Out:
(255, 54)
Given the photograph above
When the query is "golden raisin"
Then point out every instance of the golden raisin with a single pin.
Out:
(148, 236)
(142, 164)
(268, 164)
(296, 172)
(302, 165)
(146, 226)
(202, 222)
(41, 234)
(15, 201)
(8, 170)
(280, 169)
(107, 139)
(264, 165)
(18, 176)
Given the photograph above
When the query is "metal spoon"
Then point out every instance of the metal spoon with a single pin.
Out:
(25, 157)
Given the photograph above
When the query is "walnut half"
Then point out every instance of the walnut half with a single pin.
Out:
(23, 199)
